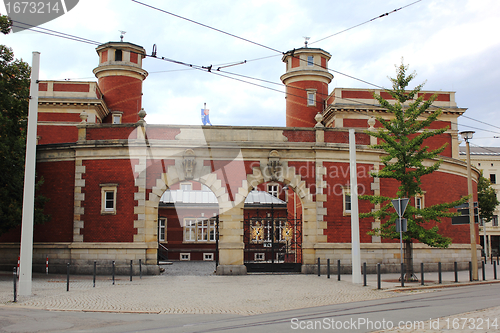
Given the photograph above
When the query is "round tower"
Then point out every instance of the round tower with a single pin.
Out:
(306, 80)
(120, 77)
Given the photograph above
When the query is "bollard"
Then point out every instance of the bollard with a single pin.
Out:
(18, 261)
(495, 270)
(497, 260)
(67, 276)
(484, 271)
(328, 268)
(455, 266)
(338, 270)
(140, 268)
(14, 277)
(422, 273)
(378, 277)
(402, 274)
(319, 267)
(95, 269)
(47, 265)
(113, 272)
(492, 260)
(470, 271)
(364, 274)
(440, 277)
(130, 270)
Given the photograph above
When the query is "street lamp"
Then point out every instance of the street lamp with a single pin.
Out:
(467, 135)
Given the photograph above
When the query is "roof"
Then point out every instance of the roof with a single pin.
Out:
(491, 151)
(190, 197)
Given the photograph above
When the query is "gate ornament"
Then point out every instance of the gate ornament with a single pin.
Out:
(274, 166)
(189, 164)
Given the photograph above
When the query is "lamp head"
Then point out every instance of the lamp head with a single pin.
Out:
(467, 135)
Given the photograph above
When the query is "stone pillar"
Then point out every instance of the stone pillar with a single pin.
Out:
(231, 244)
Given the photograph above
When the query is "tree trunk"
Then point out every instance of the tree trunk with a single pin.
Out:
(408, 260)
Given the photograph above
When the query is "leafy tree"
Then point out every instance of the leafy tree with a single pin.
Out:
(487, 198)
(402, 138)
(14, 99)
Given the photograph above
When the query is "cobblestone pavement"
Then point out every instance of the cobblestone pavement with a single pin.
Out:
(194, 289)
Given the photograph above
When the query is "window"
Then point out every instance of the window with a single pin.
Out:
(208, 256)
(259, 256)
(493, 178)
(273, 189)
(494, 221)
(186, 186)
(310, 60)
(185, 256)
(108, 198)
(117, 119)
(347, 201)
(419, 201)
(161, 229)
(311, 99)
(199, 230)
(118, 55)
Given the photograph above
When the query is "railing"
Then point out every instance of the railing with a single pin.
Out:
(162, 253)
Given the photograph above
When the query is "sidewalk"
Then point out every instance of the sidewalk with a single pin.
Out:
(184, 289)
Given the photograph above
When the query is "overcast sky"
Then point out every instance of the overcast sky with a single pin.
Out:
(453, 45)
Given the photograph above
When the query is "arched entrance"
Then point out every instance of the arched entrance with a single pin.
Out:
(188, 214)
(272, 229)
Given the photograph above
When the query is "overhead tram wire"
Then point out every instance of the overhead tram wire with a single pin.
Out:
(206, 26)
(373, 19)
(88, 41)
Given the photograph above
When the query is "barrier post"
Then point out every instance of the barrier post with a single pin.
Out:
(422, 273)
(319, 271)
(328, 268)
(130, 270)
(14, 277)
(95, 270)
(440, 277)
(379, 282)
(67, 276)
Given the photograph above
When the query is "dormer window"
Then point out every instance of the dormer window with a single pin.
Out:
(310, 60)
(117, 117)
(118, 55)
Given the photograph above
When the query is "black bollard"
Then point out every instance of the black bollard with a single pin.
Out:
(95, 268)
(402, 274)
(484, 271)
(440, 277)
(130, 270)
(455, 266)
(140, 268)
(328, 268)
(67, 276)
(495, 270)
(319, 267)
(379, 282)
(338, 270)
(364, 274)
(113, 272)
(422, 273)
(14, 274)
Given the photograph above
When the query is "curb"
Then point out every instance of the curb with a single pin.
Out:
(458, 284)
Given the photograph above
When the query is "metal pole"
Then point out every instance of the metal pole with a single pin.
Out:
(328, 267)
(402, 274)
(14, 277)
(364, 274)
(26, 261)
(440, 277)
(355, 240)
(456, 271)
(67, 276)
(495, 270)
(379, 284)
(47, 265)
(113, 272)
(130, 270)
(484, 271)
(422, 273)
(471, 217)
(95, 269)
(338, 270)
(319, 266)
(140, 268)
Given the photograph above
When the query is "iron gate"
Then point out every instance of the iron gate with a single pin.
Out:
(273, 241)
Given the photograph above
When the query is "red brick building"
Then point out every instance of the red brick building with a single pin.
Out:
(106, 171)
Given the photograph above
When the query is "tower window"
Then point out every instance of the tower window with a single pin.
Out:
(310, 60)
(118, 55)
(311, 98)
(493, 178)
